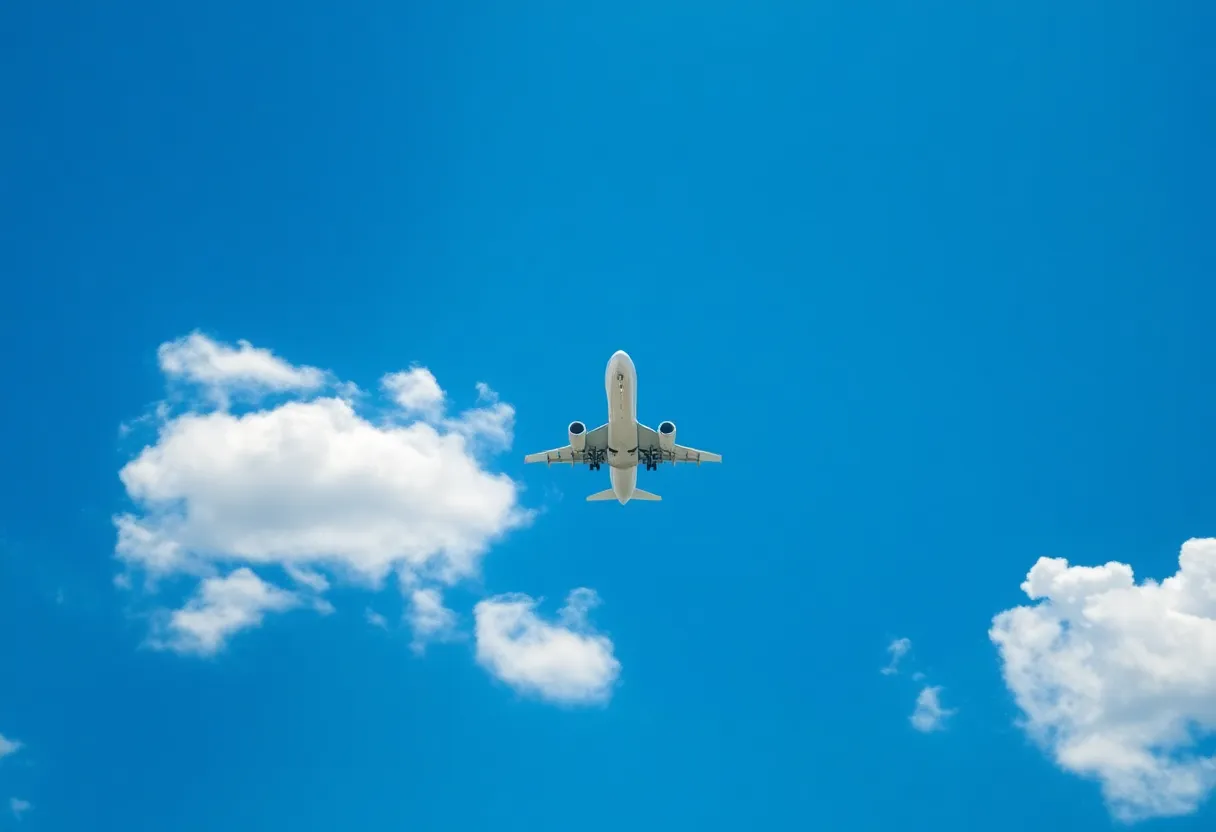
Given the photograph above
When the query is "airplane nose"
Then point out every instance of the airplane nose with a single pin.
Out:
(618, 366)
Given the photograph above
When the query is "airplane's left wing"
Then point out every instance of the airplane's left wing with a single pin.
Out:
(594, 451)
(650, 448)
(566, 455)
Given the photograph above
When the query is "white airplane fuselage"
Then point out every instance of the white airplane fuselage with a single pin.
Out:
(621, 384)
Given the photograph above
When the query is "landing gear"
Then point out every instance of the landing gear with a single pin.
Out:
(595, 457)
(650, 459)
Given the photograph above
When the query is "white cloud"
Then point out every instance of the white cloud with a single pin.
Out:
(223, 370)
(8, 746)
(563, 662)
(307, 578)
(429, 618)
(929, 714)
(898, 649)
(416, 392)
(309, 487)
(375, 619)
(491, 426)
(321, 605)
(311, 483)
(222, 607)
(1117, 680)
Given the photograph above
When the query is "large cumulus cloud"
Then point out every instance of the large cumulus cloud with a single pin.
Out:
(1117, 680)
(265, 481)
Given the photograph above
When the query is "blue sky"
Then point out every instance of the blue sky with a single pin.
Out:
(935, 282)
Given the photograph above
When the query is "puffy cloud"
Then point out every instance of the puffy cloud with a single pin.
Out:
(375, 619)
(415, 391)
(429, 618)
(311, 484)
(8, 746)
(563, 662)
(310, 487)
(19, 807)
(929, 714)
(222, 369)
(1117, 680)
(492, 425)
(313, 489)
(898, 649)
(222, 607)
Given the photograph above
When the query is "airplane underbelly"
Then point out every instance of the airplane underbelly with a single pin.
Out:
(622, 423)
(622, 443)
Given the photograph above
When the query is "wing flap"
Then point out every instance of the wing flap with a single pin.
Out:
(682, 454)
(594, 450)
(564, 455)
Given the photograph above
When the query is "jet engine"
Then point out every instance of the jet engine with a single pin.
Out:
(578, 436)
(667, 436)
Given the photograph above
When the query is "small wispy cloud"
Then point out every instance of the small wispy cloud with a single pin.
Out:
(375, 619)
(898, 649)
(430, 619)
(929, 714)
(308, 578)
(8, 746)
(19, 807)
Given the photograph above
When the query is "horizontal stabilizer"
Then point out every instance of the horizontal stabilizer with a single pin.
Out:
(638, 494)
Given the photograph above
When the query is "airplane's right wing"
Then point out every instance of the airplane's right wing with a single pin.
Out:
(595, 450)
(649, 447)
(682, 454)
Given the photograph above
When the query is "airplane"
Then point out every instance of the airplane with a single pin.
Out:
(622, 442)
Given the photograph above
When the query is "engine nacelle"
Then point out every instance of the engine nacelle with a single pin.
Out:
(578, 436)
(667, 436)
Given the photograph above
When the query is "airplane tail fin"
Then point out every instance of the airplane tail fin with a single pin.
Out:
(638, 494)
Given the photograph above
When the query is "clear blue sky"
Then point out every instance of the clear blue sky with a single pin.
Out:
(936, 283)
